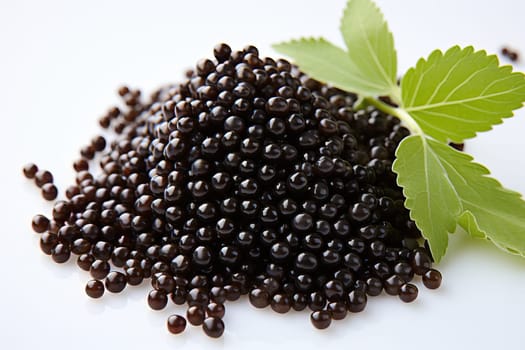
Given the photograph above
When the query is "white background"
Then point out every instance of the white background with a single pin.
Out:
(60, 65)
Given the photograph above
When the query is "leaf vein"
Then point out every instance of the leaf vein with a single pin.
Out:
(470, 99)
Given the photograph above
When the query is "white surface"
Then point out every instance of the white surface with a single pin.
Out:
(60, 64)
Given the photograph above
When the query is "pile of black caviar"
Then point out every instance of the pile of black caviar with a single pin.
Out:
(248, 177)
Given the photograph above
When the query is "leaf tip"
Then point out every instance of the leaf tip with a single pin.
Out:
(279, 46)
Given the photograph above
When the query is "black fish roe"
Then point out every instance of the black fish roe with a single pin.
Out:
(457, 146)
(510, 53)
(247, 178)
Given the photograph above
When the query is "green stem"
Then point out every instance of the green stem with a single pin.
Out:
(400, 113)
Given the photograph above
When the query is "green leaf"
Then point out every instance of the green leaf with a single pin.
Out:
(453, 96)
(444, 188)
(432, 202)
(328, 63)
(369, 68)
(370, 45)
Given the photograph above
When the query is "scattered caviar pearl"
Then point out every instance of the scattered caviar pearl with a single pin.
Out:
(432, 279)
(80, 165)
(408, 292)
(195, 315)
(49, 191)
(321, 319)
(356, 301)
(176, 324)
(95, 289)
(60, 253)
(510, 53)
(337, 310)
(393, 284)
(99, 269)
(40, 223)
(157, 299)
(84, 261)
(259, 298)
(30, 170)
(213, 327)
(43, 177)
(280, 303)
(215, 310)
(115, 282)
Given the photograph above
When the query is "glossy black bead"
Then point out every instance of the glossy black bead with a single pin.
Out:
(115, 282)
(356, 301)
(408, 292)
(420, 261)
(95, 289)
(157, 299)
(321, 319)
(176, 324)
(432, 279)
(213, 327)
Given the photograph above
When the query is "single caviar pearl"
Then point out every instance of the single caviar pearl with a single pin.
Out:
(356, 301)
(374, 286)
(360, 212)
(30, 170)
(432, 279)
(195, 315)
(157, 299)
(98, 143)
(218, 294)
(213, 327)
(84, 261)
(215, 310)
(60, 253)
(135, 275)
(222, 52)
(115, 282)
(299, 302)
(43, 177)
(408, 292)
(321, 319)
(280, 303)
(49, 191)
(48, 241)
(393, 284)
(316, 301)
(337, 310)
(198, 297)
(176, 324)
(233, 292)
(81, 165)
(99, 269)
(95, 289)
(259, 298)
(40, 223)
(421, 262)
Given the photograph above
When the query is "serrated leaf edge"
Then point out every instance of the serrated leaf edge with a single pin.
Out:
(438, 54)
(465, 218)
(409, 200)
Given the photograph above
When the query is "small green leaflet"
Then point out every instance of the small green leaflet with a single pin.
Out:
(326, 62)
(369, 68)
(370, 44)
(453, 96)
(444, 187)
